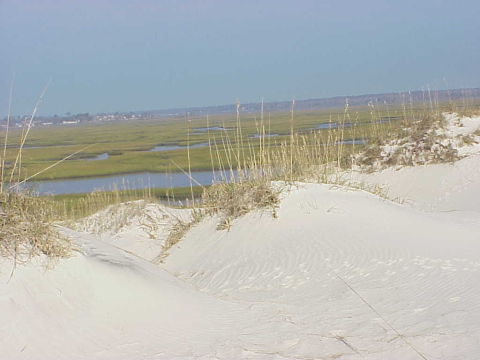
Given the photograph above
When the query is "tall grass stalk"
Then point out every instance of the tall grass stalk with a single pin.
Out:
(189, 162)
(292, 140)
(19, 183)
(2, 178)
(26, 132)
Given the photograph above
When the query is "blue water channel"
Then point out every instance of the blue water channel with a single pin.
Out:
(104, 156)
(126, 181)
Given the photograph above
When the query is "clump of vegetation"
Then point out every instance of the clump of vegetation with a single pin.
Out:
(25, 220)
(177, 231)
(420, 141)
(368, 156)
(25, 230)
(467, 139)
(233, 200)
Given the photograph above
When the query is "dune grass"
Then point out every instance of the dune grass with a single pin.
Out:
(25, 228)
(301, 150)
(25, 220)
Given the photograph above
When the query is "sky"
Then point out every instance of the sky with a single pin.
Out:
(107, 56)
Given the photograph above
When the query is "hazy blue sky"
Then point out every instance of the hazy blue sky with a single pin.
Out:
(144, 54)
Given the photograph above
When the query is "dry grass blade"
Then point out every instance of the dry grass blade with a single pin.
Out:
(6, 134)
(51, 166)
(27, 130)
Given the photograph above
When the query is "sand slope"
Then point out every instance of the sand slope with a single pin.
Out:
(106, 304)
(419, 271)
(432, 188)
(268, 288)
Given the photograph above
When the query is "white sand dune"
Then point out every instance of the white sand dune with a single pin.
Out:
(437, 187)
(340, 274)
(419, 271)
(432, 188)
(137, 227)
(106, 304)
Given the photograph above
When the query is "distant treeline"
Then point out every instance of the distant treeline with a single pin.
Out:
(334, 102)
